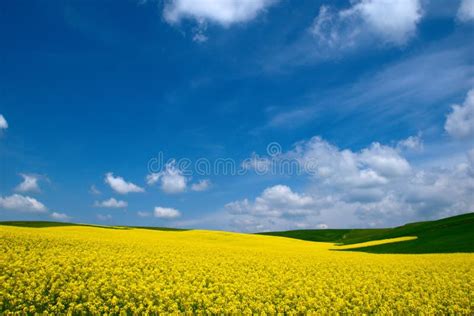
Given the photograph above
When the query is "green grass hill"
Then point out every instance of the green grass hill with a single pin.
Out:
(452, 234)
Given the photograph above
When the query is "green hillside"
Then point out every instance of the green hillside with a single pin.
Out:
(330, 235)
(453, 234)
(44, 224)
(39, 224)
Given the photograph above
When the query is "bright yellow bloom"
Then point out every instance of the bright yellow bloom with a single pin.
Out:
(89, 270)
(374, 242)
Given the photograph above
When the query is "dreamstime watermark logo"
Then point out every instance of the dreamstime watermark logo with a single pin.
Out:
(275, 162)
(274, 149)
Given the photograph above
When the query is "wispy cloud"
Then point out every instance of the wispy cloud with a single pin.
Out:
(29, 183)
(104, 217)
(367, 19)
(93, 190)
(111, 203)
(293, 118)
(411, 143)
(3, 122)
(144, 214)
(59, 216)
(409, 87)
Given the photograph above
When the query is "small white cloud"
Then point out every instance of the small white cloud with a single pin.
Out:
(322, 226)
(199, 32)
(144, 214)
(153, 178)
(199, 38)
(171, 179)
(411, 143)
(460, 122)
(104, 217)
(310, 226)
(223, 12)
(21, 203)
(59, 216)
(111, 203)
(119, 185)
(292, 118)
(93, 190)
(466, 11)
(3, 122)
(166, 213)
(29, 184)
(202, 185)
(392, 21)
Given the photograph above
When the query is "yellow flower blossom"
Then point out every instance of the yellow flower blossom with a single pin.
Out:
(86, 270)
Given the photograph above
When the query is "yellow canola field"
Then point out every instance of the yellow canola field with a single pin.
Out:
(133, 271)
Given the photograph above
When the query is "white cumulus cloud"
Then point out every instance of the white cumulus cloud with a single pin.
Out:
(276, 201)
(171, 179)
(393, 20)
(201, 185)
(119, 185)
(223, 12)
(111, 203)
(466, 10)
(29, 184)
(21, 203)
(372, 166)
(384, 160)
(166, 212)
(460, 122)
(374, 186)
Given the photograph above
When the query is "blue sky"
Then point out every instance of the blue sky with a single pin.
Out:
(374, 94)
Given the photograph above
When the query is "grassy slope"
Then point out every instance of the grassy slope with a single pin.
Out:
(331, 235)
(453, 234)
(39, 224)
